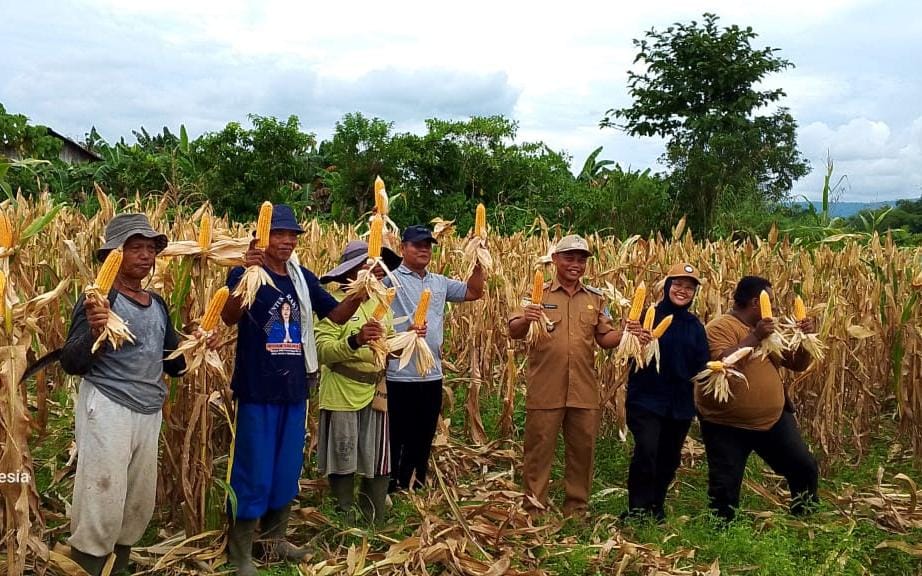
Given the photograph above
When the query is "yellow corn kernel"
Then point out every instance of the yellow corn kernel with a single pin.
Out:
(649, 317)
(109, 270)
(381, 309)
(213, 312)
(715, 366)
(422, 308)
(662, 326)
(380, 196)
(800, 311)
(6, 231)
(480, 221)
(204, 232)
(640, 294)
(2, 293)
(537, 288)
(765, 304)
(375, 237)
(263, 225)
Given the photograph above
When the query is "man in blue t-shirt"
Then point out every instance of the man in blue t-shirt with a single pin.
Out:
(274, 367)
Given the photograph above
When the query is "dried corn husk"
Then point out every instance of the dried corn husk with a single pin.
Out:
(715, 379)
(254, 278)
(410, 345)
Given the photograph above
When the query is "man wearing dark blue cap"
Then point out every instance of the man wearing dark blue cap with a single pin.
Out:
(415, 401)
(272, 377)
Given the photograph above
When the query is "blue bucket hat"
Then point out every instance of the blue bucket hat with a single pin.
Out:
(283, 218)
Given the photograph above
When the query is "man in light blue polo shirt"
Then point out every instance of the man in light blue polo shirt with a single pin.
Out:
(415, 401)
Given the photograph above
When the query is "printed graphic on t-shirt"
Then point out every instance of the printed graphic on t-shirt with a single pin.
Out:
(283, 330)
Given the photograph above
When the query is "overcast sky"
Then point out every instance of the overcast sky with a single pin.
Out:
(555, 67)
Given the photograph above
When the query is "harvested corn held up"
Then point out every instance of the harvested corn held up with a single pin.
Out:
(774, 344)
(195, 347)
(651, 351)
(379, 347)
(366, 282)
(255, 277)
(410, 344)
(797, 338)
(540, 330)
(715, 378)
(475, 249)
(116, 331)
(630, 348)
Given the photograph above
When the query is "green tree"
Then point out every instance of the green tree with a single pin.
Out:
(698, 90)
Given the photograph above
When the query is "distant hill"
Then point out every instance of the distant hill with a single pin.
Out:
(846, 209)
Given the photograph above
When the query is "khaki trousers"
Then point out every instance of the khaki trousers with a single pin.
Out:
(116, 482)
(580, 428)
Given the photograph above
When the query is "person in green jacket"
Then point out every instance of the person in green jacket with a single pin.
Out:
(353, 438)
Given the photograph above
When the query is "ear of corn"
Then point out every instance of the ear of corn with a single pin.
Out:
(109, 270)
(662, 326)
(422, 308)
(2, 293)
(375, 236)
(213, 312)
(263, 225)
(480, 220)
(640, 294)
(800, 310)
(537, 288)
(6, 231)
(381, 308)
(649, 317)
(715, 365)
(380, 196)
(765, 304)
(204, 232)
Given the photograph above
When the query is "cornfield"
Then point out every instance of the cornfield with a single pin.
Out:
(864, 296)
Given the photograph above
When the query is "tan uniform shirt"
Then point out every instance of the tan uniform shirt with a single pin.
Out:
(561, 369)
(757, 406)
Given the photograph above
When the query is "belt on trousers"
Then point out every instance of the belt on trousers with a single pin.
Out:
(370, 378)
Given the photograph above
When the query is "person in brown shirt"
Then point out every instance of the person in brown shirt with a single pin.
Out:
(563, 388)
(757, 418)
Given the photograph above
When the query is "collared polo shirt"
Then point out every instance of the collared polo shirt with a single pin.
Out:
(561, 369)
(404, 306)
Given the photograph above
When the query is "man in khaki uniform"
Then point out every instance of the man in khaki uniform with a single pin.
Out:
(563, 388)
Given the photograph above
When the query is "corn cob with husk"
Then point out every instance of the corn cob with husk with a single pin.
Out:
(715, 378)
(379, 347)
(630, 347)
(773, 344)
(540, 330)
(651, 351)
(116, 331)
(195, 347)
(797, 338)
(475, 249)
(255, 277)
(223, 250)
(7, 236)
(366, 283)
(382, 209)
(410, 344)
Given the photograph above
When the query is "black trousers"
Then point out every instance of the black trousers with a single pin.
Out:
(657, 454)
(414, 409)
(781, 446)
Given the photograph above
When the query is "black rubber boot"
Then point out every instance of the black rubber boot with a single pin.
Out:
(342, 486)
(93, 565)
(373, 499)
(274, 530)
(122, 558)
(240, 535)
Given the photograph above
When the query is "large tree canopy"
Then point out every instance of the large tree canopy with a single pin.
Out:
(699, 89)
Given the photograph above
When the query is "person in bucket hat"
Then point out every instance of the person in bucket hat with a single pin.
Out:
(118, 411)
(353, 438)
(414, 400)
(660, 402)
(271, 380)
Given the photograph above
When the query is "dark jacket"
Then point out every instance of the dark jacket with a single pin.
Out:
(76, 357)
(683, 353)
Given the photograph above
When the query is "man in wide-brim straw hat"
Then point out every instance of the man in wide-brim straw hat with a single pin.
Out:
(353, 437)
(118, 411)
(273, 372)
